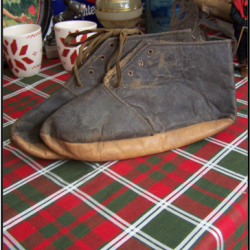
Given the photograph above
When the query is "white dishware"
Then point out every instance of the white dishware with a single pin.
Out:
(22, 47)
(62, 29)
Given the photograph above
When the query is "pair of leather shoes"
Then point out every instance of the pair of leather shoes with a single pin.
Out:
(164, 91)
(25, 132)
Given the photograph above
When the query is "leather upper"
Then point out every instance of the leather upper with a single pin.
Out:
(165, 86)
(27, 127)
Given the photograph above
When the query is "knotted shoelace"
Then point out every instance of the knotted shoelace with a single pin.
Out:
(89, 44)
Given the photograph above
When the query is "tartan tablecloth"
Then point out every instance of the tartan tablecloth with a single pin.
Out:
(194, 197)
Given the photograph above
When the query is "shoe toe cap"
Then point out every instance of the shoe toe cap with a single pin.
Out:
(94, 117)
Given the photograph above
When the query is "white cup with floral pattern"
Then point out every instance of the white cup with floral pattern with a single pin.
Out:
(22, 47)
(62, 29)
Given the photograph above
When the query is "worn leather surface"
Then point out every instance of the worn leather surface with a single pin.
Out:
(131, 148)
(27, 127)
(24, 133)
(99, 66)
(165, 86)
(194, 82)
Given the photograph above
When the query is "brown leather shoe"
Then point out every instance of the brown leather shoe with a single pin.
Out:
(169, 95)
(24, 132)
(243, 70)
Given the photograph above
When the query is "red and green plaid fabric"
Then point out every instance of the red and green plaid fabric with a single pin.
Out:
(194, 197)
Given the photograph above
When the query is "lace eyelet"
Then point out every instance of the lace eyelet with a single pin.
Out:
(130, 73)
(102, 57)
(150, 51)
(90, 72)
(140, 63)
(111, 45)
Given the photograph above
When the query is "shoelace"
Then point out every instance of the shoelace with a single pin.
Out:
(89, 44)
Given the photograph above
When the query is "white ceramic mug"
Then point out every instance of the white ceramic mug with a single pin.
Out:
(62, 29)
(22, 47)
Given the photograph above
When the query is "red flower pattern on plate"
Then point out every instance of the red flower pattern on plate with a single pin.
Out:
(32, 10)
(24, 18)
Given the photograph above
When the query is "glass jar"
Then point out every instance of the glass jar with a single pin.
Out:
(118, 13)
